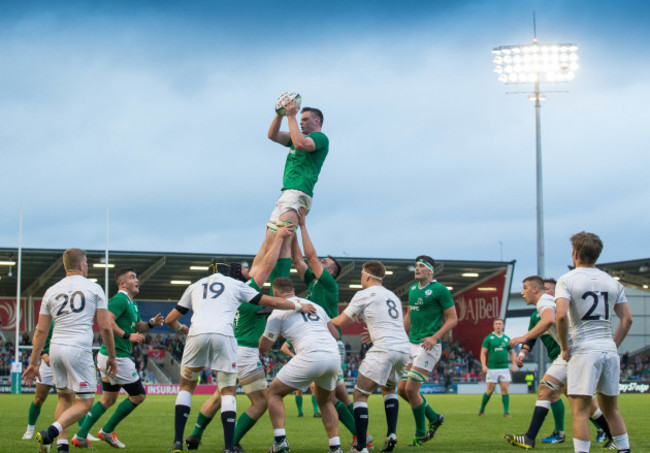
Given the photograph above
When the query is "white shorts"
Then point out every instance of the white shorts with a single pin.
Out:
(46, 374)
(558, 369)
(291, 199)
(593, 372)
(249, 366)
(126, 372)
(74, 370)
(423, 359)
(320, 367)
(213, 350)
(384, 367)
(498, 375)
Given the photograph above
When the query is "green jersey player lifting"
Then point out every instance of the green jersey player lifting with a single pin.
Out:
(431, 315)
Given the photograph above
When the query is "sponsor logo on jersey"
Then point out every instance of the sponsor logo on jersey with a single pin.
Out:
(83, 385)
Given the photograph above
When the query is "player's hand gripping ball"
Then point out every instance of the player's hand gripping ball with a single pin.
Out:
(284, 99)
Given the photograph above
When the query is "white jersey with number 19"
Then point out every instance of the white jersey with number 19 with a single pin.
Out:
(214, 300)
(72, 303)
(592, 294)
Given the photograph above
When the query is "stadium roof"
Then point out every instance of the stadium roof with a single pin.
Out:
(41, 268)
(634, 273)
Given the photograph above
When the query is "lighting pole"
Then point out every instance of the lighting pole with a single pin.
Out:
(533, 64)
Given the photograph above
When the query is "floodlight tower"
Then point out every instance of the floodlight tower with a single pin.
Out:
(533, 64)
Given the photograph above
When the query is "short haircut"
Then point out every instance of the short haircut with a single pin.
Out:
(427, 259)
(122, 271)
(72, 258)
(535, 280)
(314, 111)
(498, 319)
(375, 269)
(282, 285)
(338, 266)
(587, 247)
(552, 281)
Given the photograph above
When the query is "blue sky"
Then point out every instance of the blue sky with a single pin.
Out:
(159, 111)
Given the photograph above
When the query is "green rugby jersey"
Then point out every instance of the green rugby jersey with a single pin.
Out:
(302, 168)
(498, 348)
(323, 291)
(552, 348)
(427, 306)
(249, 326)
(127, 316)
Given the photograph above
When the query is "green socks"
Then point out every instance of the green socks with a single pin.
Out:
(486, 398)
(299, 404)
(431, 415)
(558, 414)
(122, 411)
(314, 404)
(420, 422)
(202, 422)
(34, 412)
(244, 424)
(95, 414)
(505, 399)
(345, 417)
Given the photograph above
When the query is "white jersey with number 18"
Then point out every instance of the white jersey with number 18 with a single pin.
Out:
(592, 294)
(72, 303)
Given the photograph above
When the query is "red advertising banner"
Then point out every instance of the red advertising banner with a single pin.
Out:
(477, 307)
(8, 314)
(156, 353)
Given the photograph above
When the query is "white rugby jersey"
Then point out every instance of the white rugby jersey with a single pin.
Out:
(547, 302)
(307, 332)
(592, 294)
(72, 303)
(382, 312)
(214, 300)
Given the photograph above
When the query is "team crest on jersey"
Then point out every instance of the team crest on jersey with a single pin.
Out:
(428, 292)
(234, 365)
(83, 385)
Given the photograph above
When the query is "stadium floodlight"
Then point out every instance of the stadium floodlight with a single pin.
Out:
(533, 64)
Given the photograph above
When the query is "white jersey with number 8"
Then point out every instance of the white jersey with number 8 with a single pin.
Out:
(72, 303)
(592, 294)
(382, 311)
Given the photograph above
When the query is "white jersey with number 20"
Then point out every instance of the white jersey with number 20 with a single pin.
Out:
(72, 303)
(592, 294)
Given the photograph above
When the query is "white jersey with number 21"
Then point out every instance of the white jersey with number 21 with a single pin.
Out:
(592, 294)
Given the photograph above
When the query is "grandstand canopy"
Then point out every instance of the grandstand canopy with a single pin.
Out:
(41, 268)
(634, 273)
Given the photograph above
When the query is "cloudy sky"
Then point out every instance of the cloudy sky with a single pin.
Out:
(159, 111)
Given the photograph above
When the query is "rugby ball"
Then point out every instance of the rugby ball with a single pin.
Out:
(284, 99)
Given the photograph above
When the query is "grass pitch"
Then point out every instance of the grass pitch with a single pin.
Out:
(150, 427)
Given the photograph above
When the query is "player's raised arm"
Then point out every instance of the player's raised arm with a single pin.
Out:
(284, 304)
(310, 251)
(276, 134)
(301, 141)
(296, 257)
